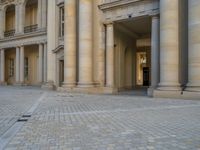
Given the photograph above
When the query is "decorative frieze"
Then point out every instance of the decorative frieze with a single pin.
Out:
(119, 10)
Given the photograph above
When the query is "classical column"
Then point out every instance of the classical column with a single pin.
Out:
(85, 43)
(22, 64)
(39, 14)
(169, 45)
(70, 44)
(2, 66)
(194, 46)
(110, 55)
(40, 73)
(101, 56)
(45, 63)
(52, 44)
(154, 52)
(17, 70)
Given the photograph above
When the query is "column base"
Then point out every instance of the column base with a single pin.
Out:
(167, 94)
(169, 87)
(48, 85)
(69, 85)
(3, 83)
(86, 85)
(150, 91)
(193, 87)
(89, 90)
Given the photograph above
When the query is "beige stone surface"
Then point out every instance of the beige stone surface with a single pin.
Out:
(194, 46)
(169, 45)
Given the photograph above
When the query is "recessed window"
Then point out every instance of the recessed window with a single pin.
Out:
(11, 67)
(62, 21)
(26, 67)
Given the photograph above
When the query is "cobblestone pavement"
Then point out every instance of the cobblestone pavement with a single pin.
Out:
(14, 101)
(105, 122)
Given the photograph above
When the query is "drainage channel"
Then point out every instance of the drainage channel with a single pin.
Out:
(12, 131)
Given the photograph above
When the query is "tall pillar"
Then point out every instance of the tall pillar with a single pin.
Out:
(52, 44)
(22, 64)
(194, 46)
(169, 45)
(85, 43)
(45, 63)
(40, 73)
(70, 44)
(110, 55)
(101, 56)
(17, 69)
(2, 66)
(154, 53)
(39, 14)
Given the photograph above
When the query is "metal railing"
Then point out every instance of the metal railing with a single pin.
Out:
(9, 33)
(31, 28)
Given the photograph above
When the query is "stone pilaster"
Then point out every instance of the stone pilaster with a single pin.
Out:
(17, 19)
(194, 46)
(40, 69)
(154, 54)
(2, 66)
(101, 56)
(45, 63)
(2, 23)
(169, 45)
(85, 43)
(70, 65)
(17, 69)
(22, 64)
(21, 9)
(110, 55)
(39, 14)
(44, 13)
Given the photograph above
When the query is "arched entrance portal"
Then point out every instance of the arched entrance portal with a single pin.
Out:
(133, 55)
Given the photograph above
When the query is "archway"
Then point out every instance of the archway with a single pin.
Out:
(31, 10)
(133, 55)
(10, 21)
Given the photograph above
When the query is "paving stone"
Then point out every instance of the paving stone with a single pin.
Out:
(106, 122)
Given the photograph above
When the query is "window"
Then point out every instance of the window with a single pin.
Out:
(11, 67)
(62, 21)
(26, 67)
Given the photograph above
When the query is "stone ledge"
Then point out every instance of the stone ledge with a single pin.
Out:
(89, 90)
(177, 94)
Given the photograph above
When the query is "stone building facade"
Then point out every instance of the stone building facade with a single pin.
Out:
(102, 46)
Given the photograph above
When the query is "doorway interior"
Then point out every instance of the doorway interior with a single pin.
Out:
(133, 55)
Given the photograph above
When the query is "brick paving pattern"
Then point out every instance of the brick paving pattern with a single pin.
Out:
(105, 122)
